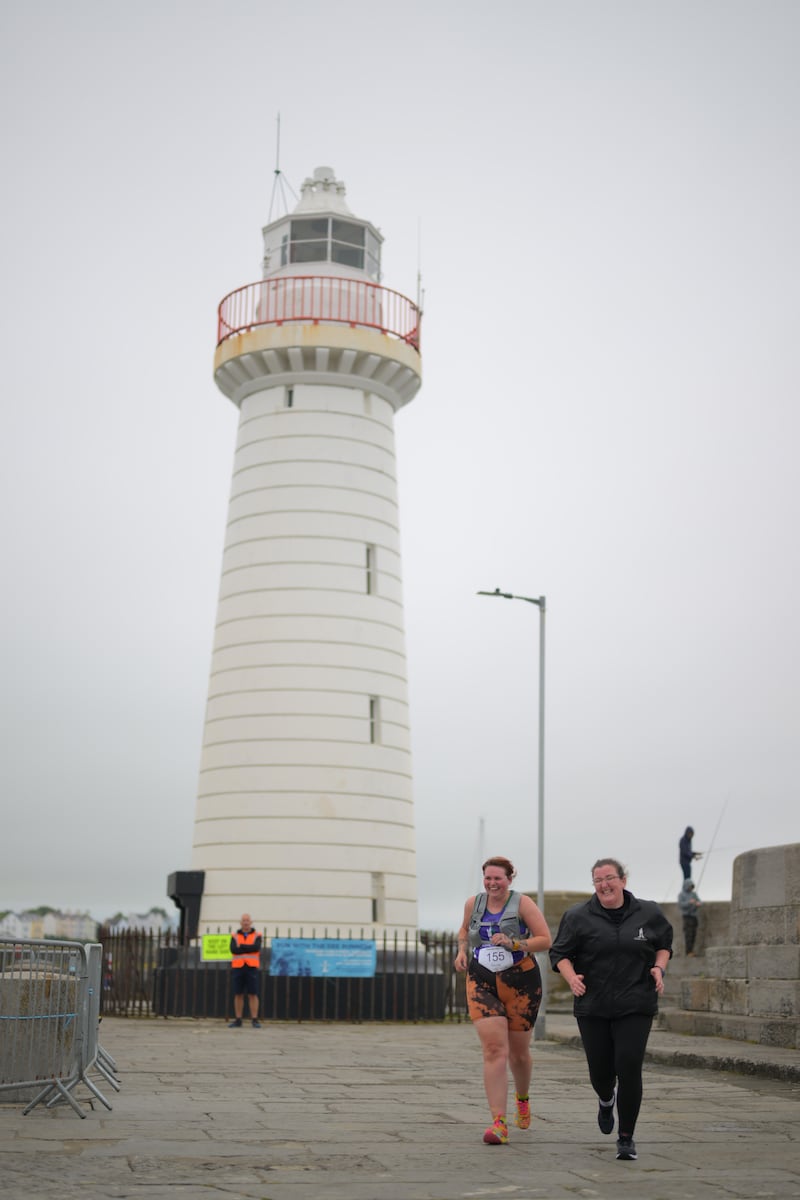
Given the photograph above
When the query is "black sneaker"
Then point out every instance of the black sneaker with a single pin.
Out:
(256, 1024)
(605, 1117)
(626, 1148)
(237, 1024)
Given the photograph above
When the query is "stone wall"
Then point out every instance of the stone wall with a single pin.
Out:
(749, 987)
(713, 929)
(765, 904)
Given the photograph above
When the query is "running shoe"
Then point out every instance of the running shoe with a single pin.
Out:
(626, 1148)
(497, 1133)
(605, 1117)
(523, 1117)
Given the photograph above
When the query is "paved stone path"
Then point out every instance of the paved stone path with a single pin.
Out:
(387, 1112)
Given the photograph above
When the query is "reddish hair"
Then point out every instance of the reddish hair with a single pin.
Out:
(504, 863)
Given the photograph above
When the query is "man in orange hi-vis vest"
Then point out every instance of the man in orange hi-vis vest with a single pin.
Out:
(246, 951)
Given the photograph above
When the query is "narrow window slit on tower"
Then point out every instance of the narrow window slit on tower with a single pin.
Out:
(290, 397)
(378, 898)
(374, 719)
(371, 573)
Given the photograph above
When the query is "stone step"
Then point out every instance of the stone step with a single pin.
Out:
(754, 998)
(754, 962)
(679, 970)
(764, 1031)
(682, 965)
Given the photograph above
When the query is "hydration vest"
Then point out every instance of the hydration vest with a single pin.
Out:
(509, 924)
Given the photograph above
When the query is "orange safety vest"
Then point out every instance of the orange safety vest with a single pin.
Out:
(246, 960)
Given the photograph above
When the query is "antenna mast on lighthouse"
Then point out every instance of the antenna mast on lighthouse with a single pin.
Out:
(279, 181)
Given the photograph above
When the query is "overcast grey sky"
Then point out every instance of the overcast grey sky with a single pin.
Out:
(605, 200)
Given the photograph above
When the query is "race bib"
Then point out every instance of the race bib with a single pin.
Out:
(495, 958)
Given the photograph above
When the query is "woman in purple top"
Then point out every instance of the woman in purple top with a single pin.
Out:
(500, 932)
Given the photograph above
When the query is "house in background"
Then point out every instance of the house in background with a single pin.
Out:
(33, 925)
(154, 921)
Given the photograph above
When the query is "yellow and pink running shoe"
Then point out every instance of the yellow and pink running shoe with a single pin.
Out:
(497, 1133)
(523, 1117)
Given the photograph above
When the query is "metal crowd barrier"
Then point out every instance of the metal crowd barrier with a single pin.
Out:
(49, 1021)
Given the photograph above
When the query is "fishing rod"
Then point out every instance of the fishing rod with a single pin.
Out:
(707, 854)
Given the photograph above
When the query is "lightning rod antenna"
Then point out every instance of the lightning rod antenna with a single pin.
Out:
(279, 181)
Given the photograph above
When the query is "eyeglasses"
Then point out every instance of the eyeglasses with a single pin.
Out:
(606, 879)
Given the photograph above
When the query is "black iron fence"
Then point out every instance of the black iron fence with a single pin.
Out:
(150, 974)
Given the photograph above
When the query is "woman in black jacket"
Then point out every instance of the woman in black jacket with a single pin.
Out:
(613, 950)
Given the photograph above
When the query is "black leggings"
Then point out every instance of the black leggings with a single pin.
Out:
(615, 1049)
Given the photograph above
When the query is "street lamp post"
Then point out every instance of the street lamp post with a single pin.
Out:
(540, 1029)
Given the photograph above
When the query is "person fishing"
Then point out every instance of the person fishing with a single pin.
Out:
(686, 855)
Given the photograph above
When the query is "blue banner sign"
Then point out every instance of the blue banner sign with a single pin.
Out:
(330, 957)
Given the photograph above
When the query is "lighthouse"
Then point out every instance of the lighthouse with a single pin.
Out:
(304, 812)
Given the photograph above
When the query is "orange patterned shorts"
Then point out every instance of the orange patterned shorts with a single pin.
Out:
(514, 994)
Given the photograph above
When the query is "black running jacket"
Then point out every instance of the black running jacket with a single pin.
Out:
(614, 957)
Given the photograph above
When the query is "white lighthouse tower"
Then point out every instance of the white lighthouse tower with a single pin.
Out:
(305, 812)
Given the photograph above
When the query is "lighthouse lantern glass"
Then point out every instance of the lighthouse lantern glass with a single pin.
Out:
(373, 257)
(347, 243)
(309, 240)
(330, 239)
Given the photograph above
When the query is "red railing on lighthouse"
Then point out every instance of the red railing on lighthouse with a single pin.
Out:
(319, 299)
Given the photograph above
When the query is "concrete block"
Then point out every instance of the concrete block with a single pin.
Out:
(767, 877)
(774, 998)
(765, 1032)
(678, 1020)
(720, 1025)
(677, 973)
(696, 994)
(728, 962)
(761, 1030)
(776, 926)
(728, 996)
(774, 962)
(780, 1033)
(672, 990)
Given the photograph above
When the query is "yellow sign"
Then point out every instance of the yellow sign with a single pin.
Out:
(216, 947)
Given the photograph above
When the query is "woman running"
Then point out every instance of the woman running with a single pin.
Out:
(499, 934)
(613, 950)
